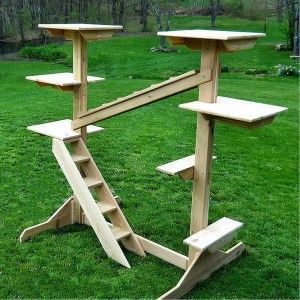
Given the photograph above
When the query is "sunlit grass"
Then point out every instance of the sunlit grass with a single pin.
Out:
(255, 178)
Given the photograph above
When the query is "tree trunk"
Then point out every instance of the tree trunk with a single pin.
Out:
(66, 10)
(114, 12)
(214, 9)
(99, 11)
(1, 26)
(266, 15)
(85, 6)
(144, 14)
(291, 7)
(162, 39)
(42, 18)
(79, 12)
(279, 9)
(20, 6)
(121, 12)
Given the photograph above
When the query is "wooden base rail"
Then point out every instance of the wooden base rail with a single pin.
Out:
(137, 99)
(199, 269)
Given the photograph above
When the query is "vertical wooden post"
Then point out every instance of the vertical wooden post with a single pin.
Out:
(204, 143)
(80, 62)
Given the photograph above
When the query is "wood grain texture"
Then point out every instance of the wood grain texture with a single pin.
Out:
(164, 253)
(204, 144)
(239, 110)
(179, 166)
(149, 95)
(88, 204)
(61, 130)
(202, 266)
(213, 234)
(211, 34)
(61, 79)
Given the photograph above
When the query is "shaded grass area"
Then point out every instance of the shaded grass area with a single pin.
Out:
(255, 180)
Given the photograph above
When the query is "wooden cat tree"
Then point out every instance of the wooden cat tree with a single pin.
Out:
(80, 170)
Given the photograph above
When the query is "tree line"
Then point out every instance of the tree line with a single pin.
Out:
(19, 18)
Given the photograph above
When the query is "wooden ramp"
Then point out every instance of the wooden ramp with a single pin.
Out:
(81, 182)
(170, 87)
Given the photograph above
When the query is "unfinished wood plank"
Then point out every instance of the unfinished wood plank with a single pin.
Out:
(235, 109)
(211, 34)
(105, 195)
(88, 31)
(237, 45)
(119, 233)
(61, 79)
(179, 166)
(88, 204)
(204, 143)
(61, 130)
(164, 253)
(92, 182)
(62, 217)
(106, 207)
(202, 266)
(78, 159)
(79, 26)
(213, 234)
(142, 98)
(80, 65)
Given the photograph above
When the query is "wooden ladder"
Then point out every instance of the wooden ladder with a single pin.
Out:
(83, 175)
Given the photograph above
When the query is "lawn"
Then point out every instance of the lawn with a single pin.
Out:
(254, 180)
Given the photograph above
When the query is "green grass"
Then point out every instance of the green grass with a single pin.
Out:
(254, 180)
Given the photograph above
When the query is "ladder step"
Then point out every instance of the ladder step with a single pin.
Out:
(214, 236)
(105, 208)
(92, 182)
(119, 233)
(78, 159)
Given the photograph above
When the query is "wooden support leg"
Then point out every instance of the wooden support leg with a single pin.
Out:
(203, 265)
(204, 144)
(65, 215)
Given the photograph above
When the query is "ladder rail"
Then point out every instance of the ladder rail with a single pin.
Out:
(104, 194)
(88, 204)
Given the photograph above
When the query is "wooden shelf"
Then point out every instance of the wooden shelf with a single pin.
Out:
(64, 81)
(228, 41)
(61, 130)
(184, 167)
(214, 236)
(88, 31)
(239, 112)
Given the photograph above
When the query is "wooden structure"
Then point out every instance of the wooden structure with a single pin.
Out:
(205, 241)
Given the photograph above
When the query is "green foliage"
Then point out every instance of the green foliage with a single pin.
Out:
(289, 71)
(46, 53)
(233, 7)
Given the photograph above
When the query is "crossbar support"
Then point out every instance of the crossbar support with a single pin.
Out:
(149, 95)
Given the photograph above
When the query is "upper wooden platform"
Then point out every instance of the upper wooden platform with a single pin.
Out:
(88, 31)
(228, 41)
(61, 130)
(63, 81)
(240, 112)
